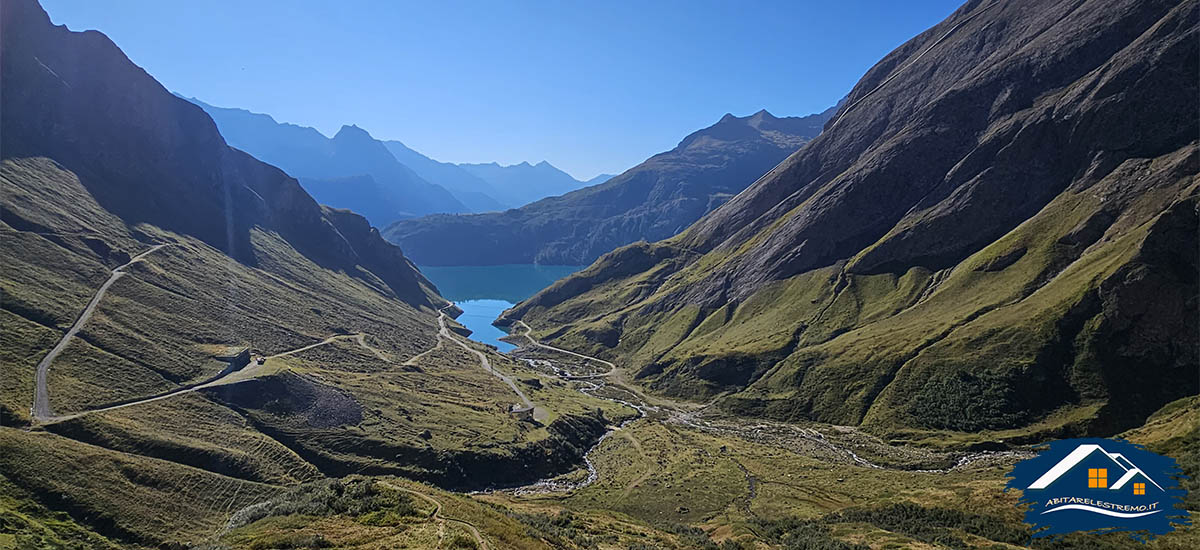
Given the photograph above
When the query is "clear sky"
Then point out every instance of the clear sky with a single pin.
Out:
(590, 87)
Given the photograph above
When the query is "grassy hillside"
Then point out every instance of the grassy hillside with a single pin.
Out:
(344, 406)
(208, 334)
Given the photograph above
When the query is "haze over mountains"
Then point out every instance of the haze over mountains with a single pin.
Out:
(164, 176)
(385, 181)
(477, 194)
(650, 201)
(837, 331)
(999, 229)
(523, 183)
(350, 170)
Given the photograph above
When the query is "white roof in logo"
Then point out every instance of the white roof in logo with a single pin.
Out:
(1083, 451)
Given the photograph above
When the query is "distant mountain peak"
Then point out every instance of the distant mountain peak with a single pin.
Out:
(525, 182)
(734, 128)
(754, 121)
(762, 115)
(352, 131)
(600, 178)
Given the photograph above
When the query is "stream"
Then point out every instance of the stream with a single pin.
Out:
(555, 485)
(802, 440)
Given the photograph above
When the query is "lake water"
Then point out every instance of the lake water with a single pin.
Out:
(483, 292)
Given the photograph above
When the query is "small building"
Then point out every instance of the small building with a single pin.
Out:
(237, 357)
(521, 413)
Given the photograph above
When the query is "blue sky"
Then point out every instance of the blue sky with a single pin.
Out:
(590, 87)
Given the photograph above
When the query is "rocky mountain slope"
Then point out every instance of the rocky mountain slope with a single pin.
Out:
(351, 170)
(650, 201)
(997, 231)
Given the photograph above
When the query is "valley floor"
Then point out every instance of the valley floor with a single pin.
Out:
(667, 474)
(685, 476)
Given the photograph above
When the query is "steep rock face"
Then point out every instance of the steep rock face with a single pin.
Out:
(351, 170)
(969, 245)
(651, 201)
(149, 157)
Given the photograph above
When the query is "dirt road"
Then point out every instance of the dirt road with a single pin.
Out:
(41, 394)
(46, 416)
(611, 367)
(249, 371)
(539, 413)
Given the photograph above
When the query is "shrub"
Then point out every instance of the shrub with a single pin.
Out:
(462, 541)
(290, 541)
(354, 496)
(802, 534)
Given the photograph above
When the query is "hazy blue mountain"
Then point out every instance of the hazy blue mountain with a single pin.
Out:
(373, 201)
(393, 191)
(474, 192)
(600, 179)
(521, 184)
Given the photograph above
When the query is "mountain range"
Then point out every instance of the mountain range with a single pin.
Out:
(523, 183)
(165, 176)
(476, 193)
(385, 180)
(349, 170)
(650, 201)
(996, 231)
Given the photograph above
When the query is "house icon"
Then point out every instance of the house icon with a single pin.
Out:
(1098, 464)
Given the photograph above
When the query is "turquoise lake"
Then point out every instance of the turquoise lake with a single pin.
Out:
(483, 292)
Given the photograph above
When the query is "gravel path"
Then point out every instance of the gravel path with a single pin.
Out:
(539, 414)
(41, 394)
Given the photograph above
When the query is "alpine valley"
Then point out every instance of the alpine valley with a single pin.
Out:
(837, 331)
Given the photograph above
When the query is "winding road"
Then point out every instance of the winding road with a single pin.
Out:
(539, 413)
(221, 378)
(611, 367)
(41, 394)
(46, 416)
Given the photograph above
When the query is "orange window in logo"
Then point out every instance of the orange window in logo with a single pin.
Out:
(1098, 478)
(1139, 488)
